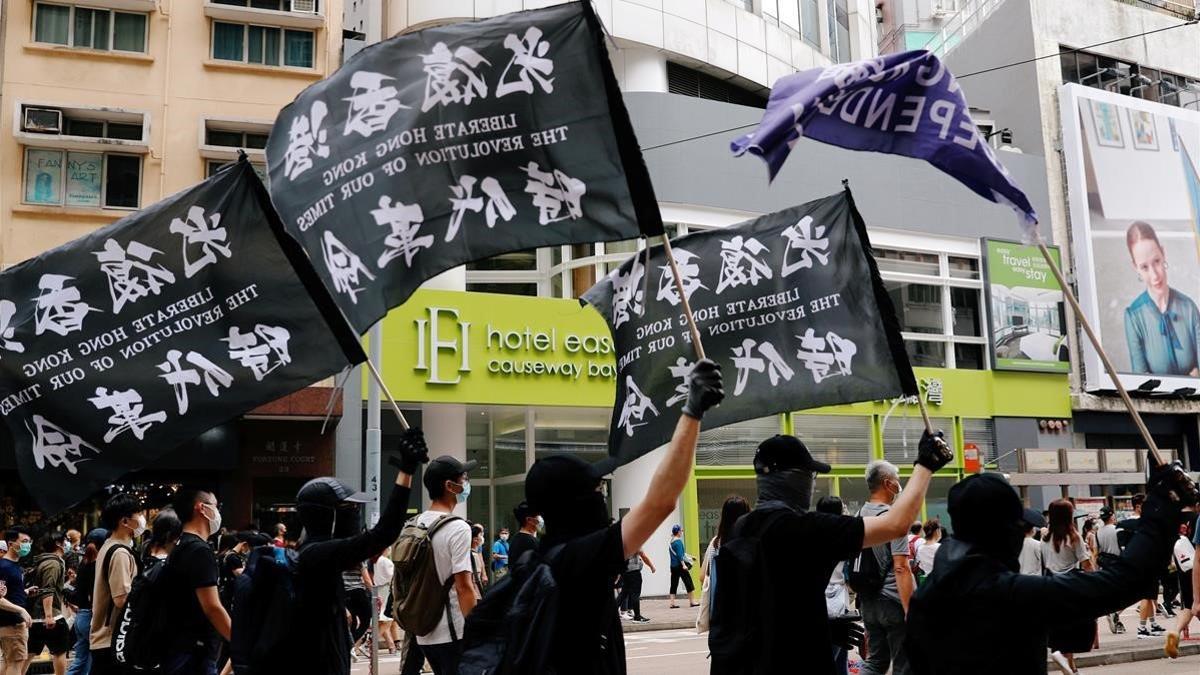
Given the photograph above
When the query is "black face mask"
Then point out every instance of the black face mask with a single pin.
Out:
(347, 521)
(793, 487)
(582, 515)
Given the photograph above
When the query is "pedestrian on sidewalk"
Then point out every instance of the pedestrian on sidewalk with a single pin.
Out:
(1147, 625)
(1184, 556)
(500, 555)
(1065, 551)
(1108, 550)
(732, 510)
(770, 612)
(49, 628)
(976, 581)
(927, 551)
(81, 599)
(448, 483)
(116, 565)
(479, 573)
(629, 600)
(1030, 558)
(681, 568)
(200, 621)
(529, 522)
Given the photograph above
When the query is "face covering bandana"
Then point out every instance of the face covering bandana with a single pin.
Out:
(793, 487)
(466, 492)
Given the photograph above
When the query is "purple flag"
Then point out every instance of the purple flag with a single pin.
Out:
(902, 104)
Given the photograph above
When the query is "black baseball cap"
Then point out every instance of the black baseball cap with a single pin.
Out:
(1036, 519)
(445, 468)
(556, 480)
(329, 491)
(981, 506)
(522, 511)
(781, 452)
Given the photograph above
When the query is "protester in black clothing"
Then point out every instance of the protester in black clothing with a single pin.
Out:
(567, 492)
(81, 599)
(975, 588)
(329, 511)
(525, 539)
(200, 622)
(800, 548)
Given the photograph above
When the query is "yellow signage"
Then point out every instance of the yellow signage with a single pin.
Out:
(457, 347)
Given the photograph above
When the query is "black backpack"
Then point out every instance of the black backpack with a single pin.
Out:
(142, 629)
(264, 611)
(864, 576)
(744, 594)
(511, 631)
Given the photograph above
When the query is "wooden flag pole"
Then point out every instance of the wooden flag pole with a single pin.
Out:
(386, 392)
(1087, 328)
(924, 412)
(687, 307)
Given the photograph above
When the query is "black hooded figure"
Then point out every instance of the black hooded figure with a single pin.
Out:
(977, 614)
(333, 541)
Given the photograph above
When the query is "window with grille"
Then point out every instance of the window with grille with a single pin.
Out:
(982, 433)
(902, 431)
(734, 444)
(690, 82)
(835, 439)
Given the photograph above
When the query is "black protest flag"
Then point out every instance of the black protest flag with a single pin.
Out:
(790, 304)
(454, 144)
(119, 346)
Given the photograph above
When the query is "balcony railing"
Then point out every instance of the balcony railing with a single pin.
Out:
(1183, 9)
(969, 17)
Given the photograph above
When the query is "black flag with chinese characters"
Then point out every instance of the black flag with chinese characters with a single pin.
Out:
(790, 305)
(458, 143)
(119, 346)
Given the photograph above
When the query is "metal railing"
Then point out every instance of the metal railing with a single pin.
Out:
(954, 29)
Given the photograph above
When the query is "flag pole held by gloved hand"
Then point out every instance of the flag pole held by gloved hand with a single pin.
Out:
(687, 307)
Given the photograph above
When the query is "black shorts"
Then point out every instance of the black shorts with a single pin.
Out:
(680, 574)
(1185, 588)
(57, 639)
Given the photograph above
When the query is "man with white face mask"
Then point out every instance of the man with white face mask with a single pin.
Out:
(116, 565)
(200, 619)
(884, 613)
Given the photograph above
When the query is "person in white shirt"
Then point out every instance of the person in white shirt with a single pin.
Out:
(1030, 557)
(389, 630)
(1185, 565)
(928, 548)
(446, 481)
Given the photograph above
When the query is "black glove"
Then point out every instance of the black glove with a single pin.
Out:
(1171, 484)
(847, 631)
(933, 452)
(410, 452)
(704, 388)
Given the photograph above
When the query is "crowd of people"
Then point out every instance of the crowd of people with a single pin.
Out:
(782, 582)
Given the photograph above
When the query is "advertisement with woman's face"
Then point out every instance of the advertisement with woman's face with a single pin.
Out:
(1134, 193)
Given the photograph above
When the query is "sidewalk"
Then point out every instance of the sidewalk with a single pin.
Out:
(662, 617)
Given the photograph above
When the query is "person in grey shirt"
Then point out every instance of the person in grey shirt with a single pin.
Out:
(883, 615)
(1109, 551)
(1030, 558)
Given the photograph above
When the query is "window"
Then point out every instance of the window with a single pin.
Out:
(235, 139)
(215, 165)
(265, 45)
(530, 289)
(810, 18)
(82, 179)
(689, 82)
(839, 31)
(94, 128)
(1127, 78)
(938, 300)
(89, 28)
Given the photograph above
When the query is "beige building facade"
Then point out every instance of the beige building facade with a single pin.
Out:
(107, 106)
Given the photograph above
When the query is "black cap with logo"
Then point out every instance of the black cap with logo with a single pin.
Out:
(781, 452)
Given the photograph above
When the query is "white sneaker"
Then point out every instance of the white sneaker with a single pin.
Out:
(1061, 662)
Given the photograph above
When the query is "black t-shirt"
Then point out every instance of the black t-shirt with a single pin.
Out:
(191, 566)
(589, 640)
(518, 544)
(801, 550)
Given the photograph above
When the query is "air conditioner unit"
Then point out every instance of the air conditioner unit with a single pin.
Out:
(42, 120)
(304, 6)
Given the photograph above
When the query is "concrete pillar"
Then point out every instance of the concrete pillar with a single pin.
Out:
(445, 424)
(630, 483)
(644, 70)
(348, 448)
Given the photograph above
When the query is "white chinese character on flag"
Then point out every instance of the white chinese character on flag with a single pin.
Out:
(689, 275)
(813, 352)
(179, 378)
(529, 55)
(199, 230)
(405, 221)
(805, 243)
(60, 308)
(739, 264)
(127, 414)
(344, 266)
(682, 371)
(372, 105)
(305, 139)
(130, 275)
(495, 206)
(262, 351)
(628, 293)
(772, 362)
(56, 446)
(551, 190)
(634, 408)
(441, 85)
(7, 329)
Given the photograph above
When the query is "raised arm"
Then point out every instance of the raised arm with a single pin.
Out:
(932, 454)
(704, 391)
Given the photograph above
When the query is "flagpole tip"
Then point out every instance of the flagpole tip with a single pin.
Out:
(846, 183)
(242, 156)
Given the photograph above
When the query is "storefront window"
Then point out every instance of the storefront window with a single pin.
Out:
(853, 491)
(582, 432)
(508, 441)
(835, 439)
(734, 444)
(902, 432)
(507, 498)
(935, 499)
(478, 508)
(711, 495)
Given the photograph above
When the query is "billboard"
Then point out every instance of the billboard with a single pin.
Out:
(1025, 306)
(1134, 196)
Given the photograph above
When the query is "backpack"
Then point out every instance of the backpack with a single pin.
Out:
(865, 576)
(511, 631)
(745, 596)
(142, 630)
(264, 610)
(420, 597)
